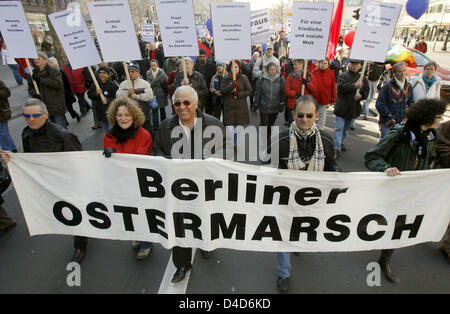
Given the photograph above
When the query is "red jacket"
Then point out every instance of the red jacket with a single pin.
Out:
(325, 92)
(76, 80)
(421, 47)
(139, 145)
(293, 88)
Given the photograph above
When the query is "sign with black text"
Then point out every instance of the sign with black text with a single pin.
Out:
(216, 203)
(310, 30)
(261, 27)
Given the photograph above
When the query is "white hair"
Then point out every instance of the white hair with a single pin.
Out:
(53, 59)
(185, 88)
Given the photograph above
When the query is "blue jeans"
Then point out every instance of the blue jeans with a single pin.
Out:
(384, 131)
(284, 264)
(145, 245)
(341, 128)
(15, 70)
(162, 112)
(6, 141)
(366, 103)
(105, 126)
(60, 120)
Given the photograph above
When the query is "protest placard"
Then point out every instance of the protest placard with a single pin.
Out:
(374, 31)
(310, 30)
(177, 25)
(232, 35)
(261, 29)
(75, 38)
(15, 30)
(227, 204)
(115, 31)
(148, 33)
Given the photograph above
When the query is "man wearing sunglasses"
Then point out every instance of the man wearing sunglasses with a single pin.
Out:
(303, 148)
(43, 136)
(187, 126)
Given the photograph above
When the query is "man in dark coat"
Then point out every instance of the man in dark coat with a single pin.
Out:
(192, 123)
(194, 79)
(43, 136)
(51, 89)
(348, 104)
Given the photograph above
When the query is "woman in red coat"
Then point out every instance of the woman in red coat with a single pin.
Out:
(325, 92)
(293, 86)
(127, 136)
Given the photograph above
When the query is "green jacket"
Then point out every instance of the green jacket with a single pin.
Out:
(397, 150)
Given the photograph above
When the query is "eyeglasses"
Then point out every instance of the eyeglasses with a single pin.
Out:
(34, 115)
(185, 103)
(308, 115)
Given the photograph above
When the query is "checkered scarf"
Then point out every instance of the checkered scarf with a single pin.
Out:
(317, 162)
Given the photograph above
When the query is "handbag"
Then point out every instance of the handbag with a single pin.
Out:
(153, 103)
(5, 179)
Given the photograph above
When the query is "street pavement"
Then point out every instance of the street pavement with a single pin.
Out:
(38, 264)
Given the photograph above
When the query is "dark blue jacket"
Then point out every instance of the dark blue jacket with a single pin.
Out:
(392, 106)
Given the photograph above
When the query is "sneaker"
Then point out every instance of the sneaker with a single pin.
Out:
(283, 284)
(343, 148)
(352, 128)
(365, 118)
(143, 253)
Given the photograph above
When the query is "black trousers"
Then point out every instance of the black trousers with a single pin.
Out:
(181, 256)
(268, 120)
(80, 242)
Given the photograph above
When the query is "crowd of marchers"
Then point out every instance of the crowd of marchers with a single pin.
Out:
(133, 115)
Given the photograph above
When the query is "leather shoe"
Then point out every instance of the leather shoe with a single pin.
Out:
(387, 270)
(343, 148)
(180, 273)
(9, 227)
(445, 254)
(78, 255)
(283, 284)
(206, 254)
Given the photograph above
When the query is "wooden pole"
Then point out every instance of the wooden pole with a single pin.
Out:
(361, 77)
(127, 73)
(233, 74)
(104, 101)
(184, 69)
(305, 73)
(31, 75)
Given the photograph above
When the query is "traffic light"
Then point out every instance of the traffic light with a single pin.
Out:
(356, 15)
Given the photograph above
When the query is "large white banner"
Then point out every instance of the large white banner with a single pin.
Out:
(374, 32)
(115, 31)
(215, 203)
(15, 30)
(74, 36)
(177, 25)
(310, 29)
(261, 28)
(232, 35)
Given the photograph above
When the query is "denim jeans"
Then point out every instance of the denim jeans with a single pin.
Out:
(284, 264)
(15, 70)
(162, 112)
(384, 131)
(322, 111)
(341, 128)
(105, 125)
(145, 245)
(6, 141)
(61, 120)
(366, 103)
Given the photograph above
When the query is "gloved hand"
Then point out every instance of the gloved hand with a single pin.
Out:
(281, 107)
(108, 151)
(389, 123)
(305, 81)
(254, 107)
(37, 96)
(36, 76)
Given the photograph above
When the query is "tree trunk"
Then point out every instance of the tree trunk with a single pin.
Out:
(444, 48)
(50, 7)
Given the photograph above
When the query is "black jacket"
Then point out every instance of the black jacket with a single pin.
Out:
(306, 150)
(164, 142)
(346, 106)
(50, 138)
(109, 91)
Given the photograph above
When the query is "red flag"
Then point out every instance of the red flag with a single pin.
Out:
(335, 30)
(202, 46)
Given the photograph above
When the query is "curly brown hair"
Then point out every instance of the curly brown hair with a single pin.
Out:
(425, 110)
(133, 108)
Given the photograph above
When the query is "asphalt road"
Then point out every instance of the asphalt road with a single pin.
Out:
(38, 264)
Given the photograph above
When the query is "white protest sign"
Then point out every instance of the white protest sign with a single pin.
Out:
(374, 32)
(232, 35)
(148, 33)
(15, 30)
(177, 25)
(288, 25)
(310, 30)
(217, 203)
(75, 38)
(261, 29)
(115, 31)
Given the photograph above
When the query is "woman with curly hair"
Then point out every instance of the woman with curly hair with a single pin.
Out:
(408, 146)
(127, 136)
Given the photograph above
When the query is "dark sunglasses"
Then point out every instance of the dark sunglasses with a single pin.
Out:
(308, 115)
(34, 115)
(185, 103)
